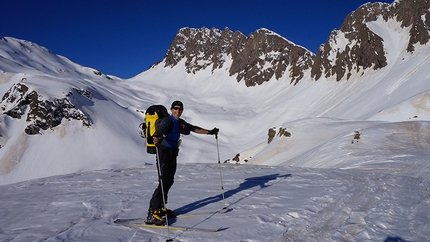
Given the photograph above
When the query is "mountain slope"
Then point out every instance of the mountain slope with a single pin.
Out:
(60, 118)
(66, 117)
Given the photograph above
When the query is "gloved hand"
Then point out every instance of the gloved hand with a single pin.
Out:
(213, 131)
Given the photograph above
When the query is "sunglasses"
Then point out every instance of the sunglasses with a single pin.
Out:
(177, 108)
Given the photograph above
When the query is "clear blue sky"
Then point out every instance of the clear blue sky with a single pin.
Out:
(124, 37)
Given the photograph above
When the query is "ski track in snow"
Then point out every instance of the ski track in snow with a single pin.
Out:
(268, 204)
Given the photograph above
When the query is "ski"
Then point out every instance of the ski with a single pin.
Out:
(140, 223)
(170, 227)
(128, 220)
(190, 215)
(186, 215)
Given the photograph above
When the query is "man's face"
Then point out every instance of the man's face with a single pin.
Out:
(177, 111)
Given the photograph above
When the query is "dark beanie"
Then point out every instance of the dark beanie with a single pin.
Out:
(177, 103)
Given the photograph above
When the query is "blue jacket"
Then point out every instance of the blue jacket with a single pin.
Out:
(169, 130)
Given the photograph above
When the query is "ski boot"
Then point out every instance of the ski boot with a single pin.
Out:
(168, 212)
(155, 217)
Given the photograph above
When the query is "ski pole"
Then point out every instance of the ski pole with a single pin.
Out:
(220, 174)
(162, 192)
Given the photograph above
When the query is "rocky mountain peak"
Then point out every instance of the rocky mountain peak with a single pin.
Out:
(365, 49)
(414, 14)
(190, 43)
(360, 49)
(264, 55)
(255, 59)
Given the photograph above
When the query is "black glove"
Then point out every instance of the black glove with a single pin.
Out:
(213, 131)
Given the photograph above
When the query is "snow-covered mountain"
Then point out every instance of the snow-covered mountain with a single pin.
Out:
(59, 117)
(359, 44)
(50, 107)
(334, 145)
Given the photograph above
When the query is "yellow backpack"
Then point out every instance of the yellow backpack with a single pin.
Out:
(147, 129)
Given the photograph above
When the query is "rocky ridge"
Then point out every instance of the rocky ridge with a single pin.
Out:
(256, 58)
(365, 49)
(41, 112)
(264, 55)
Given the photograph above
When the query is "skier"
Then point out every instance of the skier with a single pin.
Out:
(167, 140)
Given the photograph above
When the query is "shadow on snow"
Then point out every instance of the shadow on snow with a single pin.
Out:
(261, 182)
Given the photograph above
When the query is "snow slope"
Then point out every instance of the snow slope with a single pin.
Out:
(268, 204)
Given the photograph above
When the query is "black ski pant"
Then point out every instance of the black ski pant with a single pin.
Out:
(167, 158)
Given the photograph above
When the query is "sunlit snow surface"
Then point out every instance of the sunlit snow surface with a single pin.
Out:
(268, 204)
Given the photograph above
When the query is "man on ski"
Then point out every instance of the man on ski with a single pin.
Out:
(167, 140)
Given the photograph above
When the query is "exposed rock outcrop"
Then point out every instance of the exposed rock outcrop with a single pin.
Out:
(41, 113)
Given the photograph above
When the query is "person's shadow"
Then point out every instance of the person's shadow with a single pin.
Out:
(249, 183)
(395, 239)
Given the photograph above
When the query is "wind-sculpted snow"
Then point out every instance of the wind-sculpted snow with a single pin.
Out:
(268, 204)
